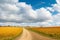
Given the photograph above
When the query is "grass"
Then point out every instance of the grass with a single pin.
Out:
(53, 32)
(10, 33)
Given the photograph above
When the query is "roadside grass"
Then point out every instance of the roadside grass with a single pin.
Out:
(53, 36)
(10, 33)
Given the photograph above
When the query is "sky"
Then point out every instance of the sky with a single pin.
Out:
(30, 12)
(36, 4)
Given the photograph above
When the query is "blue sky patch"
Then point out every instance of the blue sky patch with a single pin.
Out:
(39, 3)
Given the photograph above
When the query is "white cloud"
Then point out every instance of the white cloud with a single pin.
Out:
(57, 17)
(43, 14)
(19, 13)
(8, 1)
(50, 9)
(58, 2)
(22, 13)
(56, 7)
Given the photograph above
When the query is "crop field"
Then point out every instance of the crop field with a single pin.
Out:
(10, 33)
(53, 32)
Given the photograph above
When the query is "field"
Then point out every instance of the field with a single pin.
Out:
(53, 32)
(10, 33)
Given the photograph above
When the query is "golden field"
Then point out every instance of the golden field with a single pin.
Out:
(9, 33)
(53, 32)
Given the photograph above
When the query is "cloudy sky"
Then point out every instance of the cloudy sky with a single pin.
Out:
(30, 12)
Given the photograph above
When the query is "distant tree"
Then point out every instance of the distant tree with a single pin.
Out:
(8, 25)
(0, 26)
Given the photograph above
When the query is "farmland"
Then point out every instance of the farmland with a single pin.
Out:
(10, 33)
(53, 32)
(32, 33)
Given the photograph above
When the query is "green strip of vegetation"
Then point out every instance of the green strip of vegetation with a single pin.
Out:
(54, 36)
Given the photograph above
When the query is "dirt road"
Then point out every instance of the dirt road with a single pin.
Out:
(25, 35)
(39, 37)
(28, 35)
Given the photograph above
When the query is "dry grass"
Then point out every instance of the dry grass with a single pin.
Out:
(53, 32)
(9, 33)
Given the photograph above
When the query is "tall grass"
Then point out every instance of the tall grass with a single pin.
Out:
(10, 33)
(53, 32)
